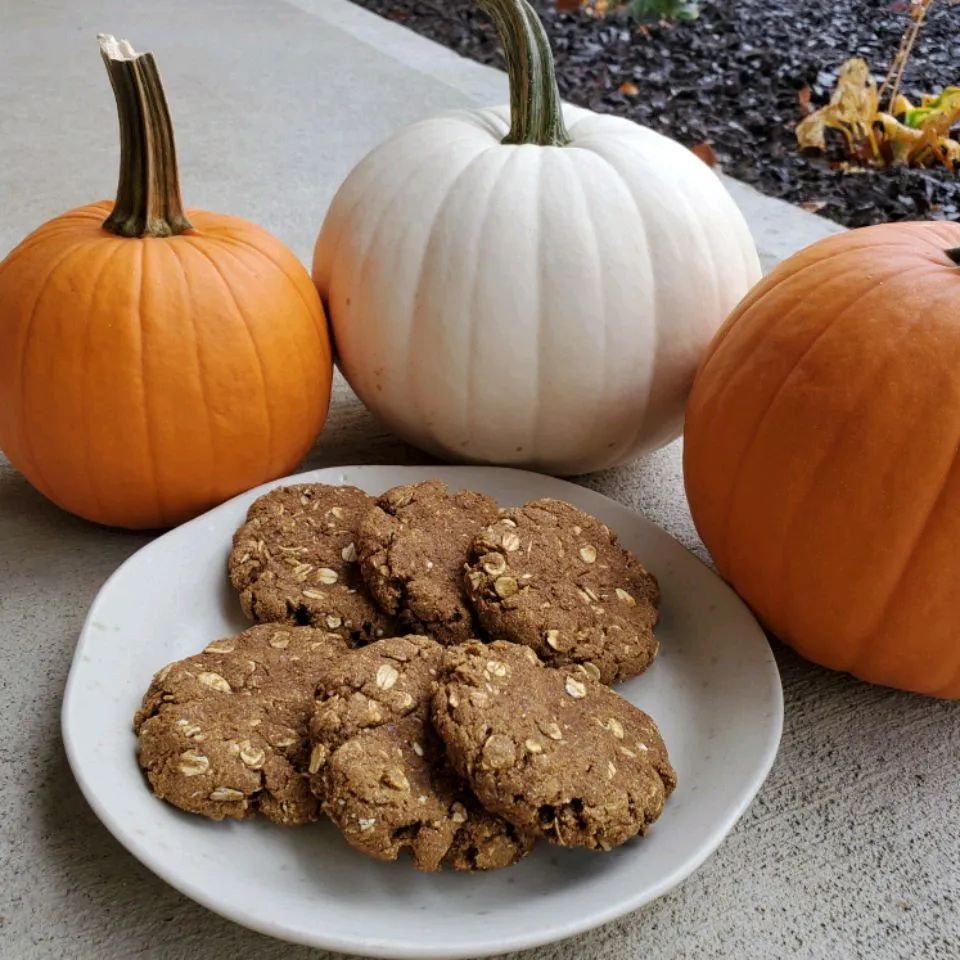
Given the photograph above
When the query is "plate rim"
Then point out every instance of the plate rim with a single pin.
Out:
(539, 936)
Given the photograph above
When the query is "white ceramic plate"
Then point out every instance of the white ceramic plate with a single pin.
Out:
(714, 690)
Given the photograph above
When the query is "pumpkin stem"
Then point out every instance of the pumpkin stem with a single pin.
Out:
(954, 254)
(536, 114)
(148, 193)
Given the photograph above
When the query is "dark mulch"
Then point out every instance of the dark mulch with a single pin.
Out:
(732, 79)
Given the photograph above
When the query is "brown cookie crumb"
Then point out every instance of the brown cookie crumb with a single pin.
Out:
(224, 733)
(413, 546)
(294, 561)
(556, 579)
(551, 750)
(382, 772)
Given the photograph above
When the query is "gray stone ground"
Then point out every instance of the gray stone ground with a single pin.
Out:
(852, 848)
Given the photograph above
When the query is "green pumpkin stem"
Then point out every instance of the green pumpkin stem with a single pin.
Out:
(148, 193)
(536, 113)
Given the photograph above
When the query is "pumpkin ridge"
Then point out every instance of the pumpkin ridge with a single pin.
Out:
(721, 340)
(321, 329)
(411, 375)
(578, 121)
(382, 208)
(368, 259)
(927, 237)
(653, 283)
(310, 414)
(345, 218)
(24, 444)
(487, 120)
(475, 286)
(360, 266)
(532, 439)
(85, 366)
(271, 431)
(152, 461)
(37, 239)
(595, 264)
(931, 232)
(210, 494)
(698, 234)
(859, 643)
(799, 503)
(758, 426)
(761, 289)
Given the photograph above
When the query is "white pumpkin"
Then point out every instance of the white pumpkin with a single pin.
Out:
(542, 302)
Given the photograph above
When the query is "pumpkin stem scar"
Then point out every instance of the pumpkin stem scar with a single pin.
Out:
(954, 254)
(536, 113)
(148, 192)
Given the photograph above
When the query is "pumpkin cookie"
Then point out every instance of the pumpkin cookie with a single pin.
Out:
(550, 750)
(552, 577)
(382, 773)
(224, 733)
(294, 561)
(413, 545)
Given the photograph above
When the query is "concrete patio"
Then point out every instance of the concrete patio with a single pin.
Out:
(274, 101)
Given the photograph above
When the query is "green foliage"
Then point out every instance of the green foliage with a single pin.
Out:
(651, 11)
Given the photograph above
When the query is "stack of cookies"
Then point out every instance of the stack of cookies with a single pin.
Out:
(429, 671)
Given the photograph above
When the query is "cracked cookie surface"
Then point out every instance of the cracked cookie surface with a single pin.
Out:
(382, 771)
(556, 579)
(224, 733)
(550, 749)
(294, 560)
(413, 546)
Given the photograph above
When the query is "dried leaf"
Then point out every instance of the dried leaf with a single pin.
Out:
(900, 105)
(628, 88)
(593, 8)
(813, 206)
(901, 142)
(803, 98)
(811, 132)
(851, 110)
(908, 134)
(706, 153)
(951, 152)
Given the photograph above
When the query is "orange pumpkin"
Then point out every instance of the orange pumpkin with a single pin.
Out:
(154, 363)
(821, 453)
